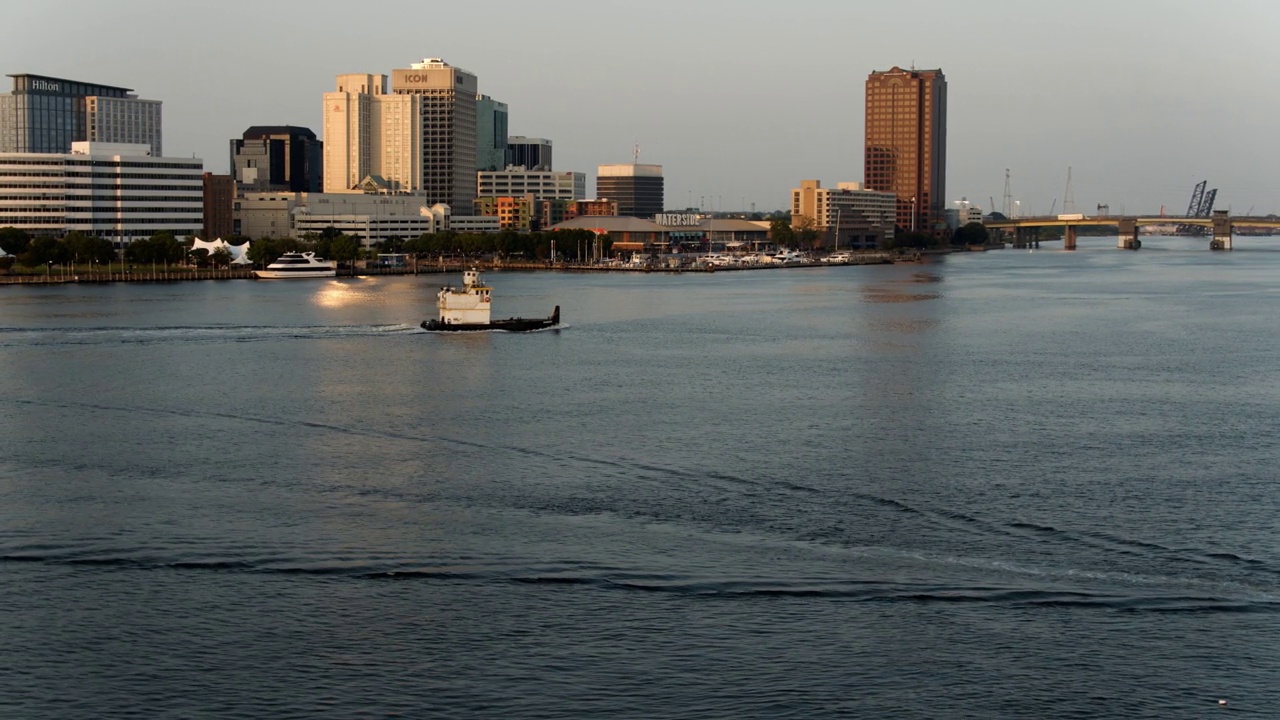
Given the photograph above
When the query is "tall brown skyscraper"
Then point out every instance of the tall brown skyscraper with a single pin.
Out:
(906, 146)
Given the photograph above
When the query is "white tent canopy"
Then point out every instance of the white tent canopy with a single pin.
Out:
(239, 253)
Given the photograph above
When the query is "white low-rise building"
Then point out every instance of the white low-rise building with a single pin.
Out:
(961, 213)
(116, 191)
(372, 218)
(850, 215)
(542, 185)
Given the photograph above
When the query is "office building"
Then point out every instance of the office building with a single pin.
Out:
(108, 190)
(529, 153)
(906, 143)
(411, 132)
(491, 134)
(219, 199)
(636, 188)
(47, 114)
(516, 181)
(278, 158)
(961, 213)
(850, 216)
(371, 218)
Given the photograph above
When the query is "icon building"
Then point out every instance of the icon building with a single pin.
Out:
(906, 143)
(414, 131)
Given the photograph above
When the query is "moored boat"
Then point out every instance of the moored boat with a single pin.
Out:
(469, 307)
(298, 265)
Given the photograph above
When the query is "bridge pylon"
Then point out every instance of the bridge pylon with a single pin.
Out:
(1128, 231)
(1221, 231)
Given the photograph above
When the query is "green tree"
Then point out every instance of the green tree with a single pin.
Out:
(14, 241)
(344, 248)
(42, 250)
(263, 251)
(974, 233)
(780, 231)
(806, 232)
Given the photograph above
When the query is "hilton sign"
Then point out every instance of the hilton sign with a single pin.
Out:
(45, 85)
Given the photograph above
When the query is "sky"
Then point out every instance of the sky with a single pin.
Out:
(738, 100)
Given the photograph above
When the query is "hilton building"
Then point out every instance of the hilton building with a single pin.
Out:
(636, 188)
(412, 132)
(906, 143)
(47, 114)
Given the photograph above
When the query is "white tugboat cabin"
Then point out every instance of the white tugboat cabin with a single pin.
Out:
(468, 305)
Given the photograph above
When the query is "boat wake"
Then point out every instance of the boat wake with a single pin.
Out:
(44, 337)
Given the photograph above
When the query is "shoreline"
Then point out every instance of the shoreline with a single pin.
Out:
(425, 268)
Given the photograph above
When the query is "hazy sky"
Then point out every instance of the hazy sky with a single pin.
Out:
(738, 100)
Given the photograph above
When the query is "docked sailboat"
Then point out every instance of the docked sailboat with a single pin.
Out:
(468, 308)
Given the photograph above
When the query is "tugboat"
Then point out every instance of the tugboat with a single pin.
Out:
(467, 308)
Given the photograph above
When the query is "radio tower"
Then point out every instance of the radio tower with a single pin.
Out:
(1068, 198)
(1008, 196)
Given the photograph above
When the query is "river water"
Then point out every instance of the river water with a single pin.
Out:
(1005, 484)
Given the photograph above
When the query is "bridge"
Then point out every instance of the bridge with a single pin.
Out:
(1221, 225)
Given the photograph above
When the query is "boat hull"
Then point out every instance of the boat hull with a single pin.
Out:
(285, 274)
(509, 325)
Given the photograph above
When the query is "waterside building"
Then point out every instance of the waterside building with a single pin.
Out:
(108, 190)
(850, 216)
(906, 143)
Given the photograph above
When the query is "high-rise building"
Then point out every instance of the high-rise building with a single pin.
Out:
(417, 135)
(529, 153)
(348, 131)
(46, 114)
(906, 143)
(278, 158)
(491, 134)
(636, 188)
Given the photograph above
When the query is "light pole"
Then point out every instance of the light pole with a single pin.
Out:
(837, 229)
(913, 213)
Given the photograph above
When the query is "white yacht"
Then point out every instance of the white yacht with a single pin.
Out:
(298, 265)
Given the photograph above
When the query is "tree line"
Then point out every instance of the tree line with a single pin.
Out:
(163, 247)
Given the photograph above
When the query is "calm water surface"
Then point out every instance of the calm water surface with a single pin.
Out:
(1009, 484)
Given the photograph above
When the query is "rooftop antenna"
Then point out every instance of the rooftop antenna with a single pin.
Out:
(635, 154)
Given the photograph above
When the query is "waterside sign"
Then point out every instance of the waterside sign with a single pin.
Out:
(678, 219)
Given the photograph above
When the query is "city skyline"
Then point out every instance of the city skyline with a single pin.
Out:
(740, 101)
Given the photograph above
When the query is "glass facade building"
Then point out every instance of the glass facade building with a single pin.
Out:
(47, 114)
